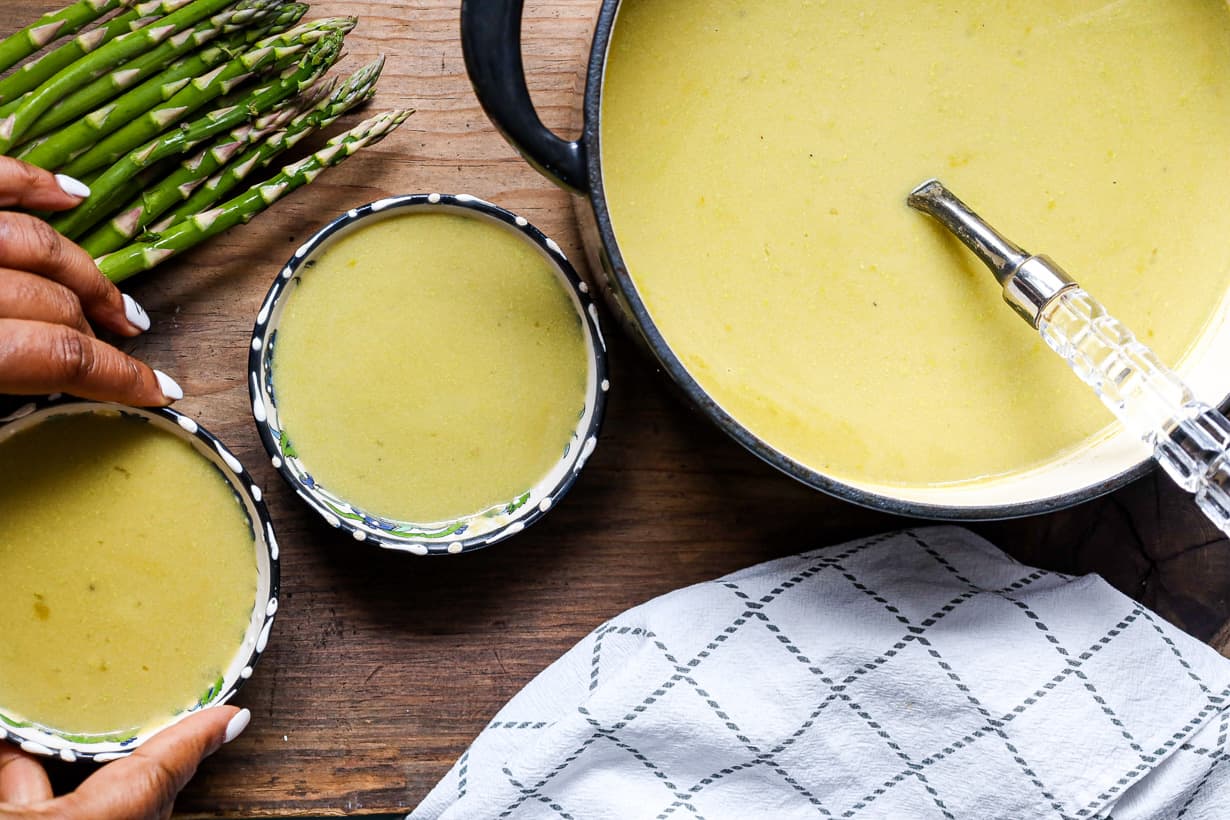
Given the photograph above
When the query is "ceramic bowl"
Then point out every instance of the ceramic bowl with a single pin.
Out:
(41, 741)
(425, 537)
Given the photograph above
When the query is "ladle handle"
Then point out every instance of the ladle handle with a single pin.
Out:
(491, 43)
(1189, 438)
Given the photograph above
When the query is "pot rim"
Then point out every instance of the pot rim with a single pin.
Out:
(631, 302)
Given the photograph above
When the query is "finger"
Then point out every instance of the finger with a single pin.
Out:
(22, 778)
(145, 784)
(37, 358)
(30, 244)
(23, 185)
(26, 296)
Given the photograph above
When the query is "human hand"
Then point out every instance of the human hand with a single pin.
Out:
(50, 293)
(142, 786)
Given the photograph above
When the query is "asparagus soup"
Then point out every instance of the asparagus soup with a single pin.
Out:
(756, 158)
(429, 366)
(129, 574)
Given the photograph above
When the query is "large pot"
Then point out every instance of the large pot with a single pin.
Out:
(491, 39)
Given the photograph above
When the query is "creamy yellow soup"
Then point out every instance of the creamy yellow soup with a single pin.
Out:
(128, 570)
(757, 156)
(429, 366)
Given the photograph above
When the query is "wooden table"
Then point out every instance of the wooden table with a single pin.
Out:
(383, 667)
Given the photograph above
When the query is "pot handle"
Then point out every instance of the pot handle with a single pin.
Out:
(491, 42)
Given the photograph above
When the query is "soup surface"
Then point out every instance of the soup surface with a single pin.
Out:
(429, 366)
(757, 157)
(129, 574)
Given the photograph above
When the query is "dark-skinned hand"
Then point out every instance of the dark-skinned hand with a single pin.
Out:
(142, 786)
(52, 297)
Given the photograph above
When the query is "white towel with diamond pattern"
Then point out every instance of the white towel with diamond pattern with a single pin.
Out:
(914, 675)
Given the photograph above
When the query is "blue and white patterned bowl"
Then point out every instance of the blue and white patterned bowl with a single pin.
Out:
(43, 741)
(426, 537)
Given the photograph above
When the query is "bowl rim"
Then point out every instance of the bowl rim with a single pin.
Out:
(39, 740)
(453, 537)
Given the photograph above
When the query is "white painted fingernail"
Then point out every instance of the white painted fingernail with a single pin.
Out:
(169, 387)
(72, 187)
(135, 314)
(237, 724)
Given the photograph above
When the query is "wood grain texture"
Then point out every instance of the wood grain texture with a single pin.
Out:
(383, 667)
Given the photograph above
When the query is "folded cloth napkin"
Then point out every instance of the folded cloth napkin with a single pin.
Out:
(918, 674)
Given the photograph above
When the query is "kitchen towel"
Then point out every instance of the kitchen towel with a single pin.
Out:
(911, 675)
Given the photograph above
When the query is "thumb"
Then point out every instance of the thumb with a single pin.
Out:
(145, 784)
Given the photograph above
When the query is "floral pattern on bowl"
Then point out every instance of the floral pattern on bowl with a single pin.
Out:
(471, 532)
(100, 748)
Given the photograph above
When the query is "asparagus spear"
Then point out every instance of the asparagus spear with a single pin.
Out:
(357, 90)
(91, 66)
(248, 13)
(148, 110)
(313, 65)
(156, 199)
(31, 75)
(106, 134)
(133, 187)
(50, 27)
(181, 236)
(127, 190)
(312, 30)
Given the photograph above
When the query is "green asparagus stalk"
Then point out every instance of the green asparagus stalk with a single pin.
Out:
(133, 187)
(94, 65)
(114, 83)
(310, 31)
(142, 256)
(157, 198)
(358, 89)
(248, 13)
(105, 136)
(51, 27)
(129, 189)
(85, 134)
(179, 141)
(11, 106)
(31, 75)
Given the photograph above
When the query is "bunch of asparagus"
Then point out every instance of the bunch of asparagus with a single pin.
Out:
(166, 108)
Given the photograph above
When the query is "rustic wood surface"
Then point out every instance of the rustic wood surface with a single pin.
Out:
(383, 667)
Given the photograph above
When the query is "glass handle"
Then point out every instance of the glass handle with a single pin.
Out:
(1189, 438)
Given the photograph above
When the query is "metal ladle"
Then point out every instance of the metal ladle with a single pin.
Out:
(1190, 439)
